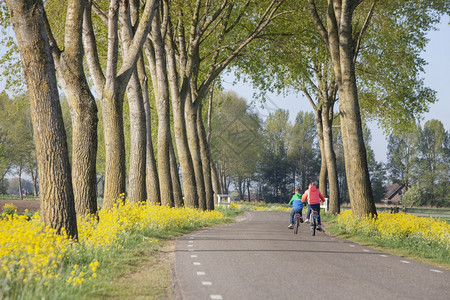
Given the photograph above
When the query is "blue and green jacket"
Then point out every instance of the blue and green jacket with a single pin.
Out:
(296, 202)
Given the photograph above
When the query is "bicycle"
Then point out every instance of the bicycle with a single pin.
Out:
(314, 220)
(297, 220)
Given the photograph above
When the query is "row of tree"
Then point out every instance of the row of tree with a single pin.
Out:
(267, 159)
(181, 46)
(171, 52)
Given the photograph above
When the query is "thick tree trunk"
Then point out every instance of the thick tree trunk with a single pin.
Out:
(57, 201)
(327, 120)
(83, 110)
(152, 180)
(184, 156)
(138, 141)
(84, 151)
(338, 38)
(112, 109)
(360, 189)
(157, 58)
(194, 148)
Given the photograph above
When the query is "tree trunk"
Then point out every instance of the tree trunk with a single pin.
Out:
(327, 120)
(184, 156)
(215, 181)
(34, 181)
(323, 161)
(83, 109)
(138, 141)
(248, 190)
(112, 109)
(206, 160)
(176, 185)
(194, 148)
(214, 177)
(152, 180)
(157, 58)
(360, 189)
(84, 151)
(20, 183)
(338, 38)
(57, 201)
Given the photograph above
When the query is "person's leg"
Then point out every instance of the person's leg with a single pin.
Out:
(317, 207)
(308, 212)
(292, 217)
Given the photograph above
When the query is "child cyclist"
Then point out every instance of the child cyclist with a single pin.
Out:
(314, 197)
(297, 206)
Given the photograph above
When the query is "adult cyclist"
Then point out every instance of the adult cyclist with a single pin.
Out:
(314, 197)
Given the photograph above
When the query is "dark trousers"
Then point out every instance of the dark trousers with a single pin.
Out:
(316, 207)
(292, 215)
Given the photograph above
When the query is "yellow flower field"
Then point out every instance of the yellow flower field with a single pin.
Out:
(31, 255)
(399, 226)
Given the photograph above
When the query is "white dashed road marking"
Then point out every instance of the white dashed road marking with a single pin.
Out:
(206, 282)
(405, 262)
(193, 256)
(216, 297)
(197, 263)
(365, 250)
(201, 273)
(383, 255)
(436, 271)
(352, 246)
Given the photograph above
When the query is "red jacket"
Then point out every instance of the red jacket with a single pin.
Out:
(313, 195)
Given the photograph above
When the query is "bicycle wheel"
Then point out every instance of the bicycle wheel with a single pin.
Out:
(313, 226)
(297, 223)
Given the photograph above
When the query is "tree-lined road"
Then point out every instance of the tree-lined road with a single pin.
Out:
(260, 258)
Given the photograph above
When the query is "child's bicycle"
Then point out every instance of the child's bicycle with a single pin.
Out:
(297, 220)
(314, 221)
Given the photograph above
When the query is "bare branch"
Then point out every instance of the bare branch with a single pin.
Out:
(363, 29)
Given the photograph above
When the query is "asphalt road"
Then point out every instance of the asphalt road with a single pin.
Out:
(260, 258)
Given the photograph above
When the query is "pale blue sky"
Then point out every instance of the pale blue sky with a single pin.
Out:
(437, 77)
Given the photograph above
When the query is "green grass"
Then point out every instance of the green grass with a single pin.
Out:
(9, 197)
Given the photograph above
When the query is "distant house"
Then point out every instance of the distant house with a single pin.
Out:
(394, 194)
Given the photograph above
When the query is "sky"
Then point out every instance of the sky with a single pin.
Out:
(436, 77)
